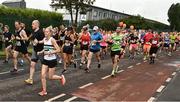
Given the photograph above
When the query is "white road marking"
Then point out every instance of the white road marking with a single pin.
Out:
(138, 63)
(120, 71)
(174, 73)
(151, 99)
(145, 61)
(70, 99)
(160, 88)
(9, 71)
(56, 97)
(168, 80)
(130, 67)
(85, 85)
(106, 77)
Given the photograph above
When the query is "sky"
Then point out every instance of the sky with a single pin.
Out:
(151, 9)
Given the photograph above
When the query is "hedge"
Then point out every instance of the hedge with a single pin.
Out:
(9, 15)
(137, 21)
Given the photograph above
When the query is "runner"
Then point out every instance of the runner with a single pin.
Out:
(104, 44)
(172, 43)
(147, 45)
(68, 48)
(36, 35)
(84, 40)
(133, 47)
(61, 42)
(116, 49)
(166, 40)
(96, 39)
(8, 42)
(20, 47)
(50, 50)
(154, 47)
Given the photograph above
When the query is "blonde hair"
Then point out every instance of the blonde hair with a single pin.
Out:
(50, 28)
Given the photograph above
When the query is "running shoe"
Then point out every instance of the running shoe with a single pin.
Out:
(75, 64)
(5, 61)
(99, 65)
(87, 70)
(64, 71)
(29, 81)
(14, 71)
(42, 93)
(113, 73)
(63, 80)
(80, 65)
(60, 61)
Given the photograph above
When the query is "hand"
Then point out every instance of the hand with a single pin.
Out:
(94, 41)
(18, 38)
(35, 42)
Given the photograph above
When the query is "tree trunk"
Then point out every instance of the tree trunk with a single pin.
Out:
(76, 18)
(72, 20)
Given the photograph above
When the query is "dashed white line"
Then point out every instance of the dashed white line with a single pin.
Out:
(130, 67)
(160, 88)
(151, 99)
(85, 85)
(168, 80)
(120, 71)
(70, 99)
(145, 61)
(106, 77)
(9, 71)
(138, 63)
(174, 73)
(56, 97)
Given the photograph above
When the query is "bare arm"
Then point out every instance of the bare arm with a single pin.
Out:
(57, 48)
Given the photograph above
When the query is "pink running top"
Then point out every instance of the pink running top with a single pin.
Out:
(104, 43)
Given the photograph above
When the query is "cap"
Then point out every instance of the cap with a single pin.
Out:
(95, 28)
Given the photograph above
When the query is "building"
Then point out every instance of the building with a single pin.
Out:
(98, 13)
(93, 13)
(15, 3)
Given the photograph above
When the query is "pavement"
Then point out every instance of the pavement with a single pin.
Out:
(136, 81)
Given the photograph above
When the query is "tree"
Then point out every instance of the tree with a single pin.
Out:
(174, 16)
(77, 6)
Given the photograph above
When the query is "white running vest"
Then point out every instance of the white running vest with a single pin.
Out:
(48, 46)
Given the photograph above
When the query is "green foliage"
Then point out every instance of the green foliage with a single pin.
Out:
(142, 23)
(138, 21)
(106, 24)
(73, 6)
(9, 15)
(174, 16)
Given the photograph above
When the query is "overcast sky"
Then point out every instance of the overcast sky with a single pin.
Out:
(152, 9)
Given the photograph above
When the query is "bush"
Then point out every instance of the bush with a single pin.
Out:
(9, 15)
(138, 21)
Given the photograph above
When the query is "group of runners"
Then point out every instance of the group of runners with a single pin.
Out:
(60, 44)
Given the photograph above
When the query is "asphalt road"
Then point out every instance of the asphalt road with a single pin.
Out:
(13, 88)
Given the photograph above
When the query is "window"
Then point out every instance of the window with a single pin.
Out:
(95, 13)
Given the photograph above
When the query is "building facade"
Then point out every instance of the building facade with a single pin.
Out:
(15, 3)
(93, 13)
(98, 13)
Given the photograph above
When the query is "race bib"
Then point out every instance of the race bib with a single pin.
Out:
(18, 43)
(62, 38)
(84, 42)
(154, 42)
(67, 44)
